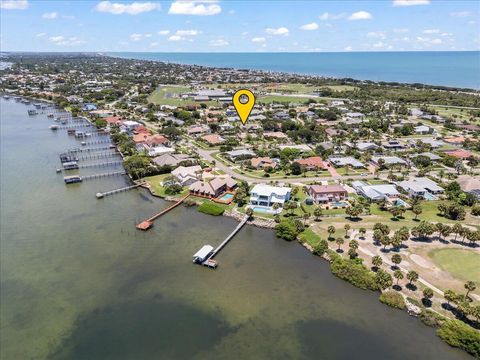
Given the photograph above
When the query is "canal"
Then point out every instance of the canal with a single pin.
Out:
(78, 281)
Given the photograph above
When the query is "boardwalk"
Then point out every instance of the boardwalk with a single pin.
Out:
(147, 224)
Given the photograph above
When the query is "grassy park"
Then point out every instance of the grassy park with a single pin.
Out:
(463, 264)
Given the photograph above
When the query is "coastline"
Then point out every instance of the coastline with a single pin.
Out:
(353, 79)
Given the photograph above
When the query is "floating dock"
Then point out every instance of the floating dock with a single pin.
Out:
(147, 224)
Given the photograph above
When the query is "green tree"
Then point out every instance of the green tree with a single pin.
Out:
(469, 286)
(320, 248)
(331, 230)
(286, 230)
(339, 242)
(427, 295)
(377, 261)
(412, 276)
(318, 213)
(346, 228)
(417, 210)
(383, 279)
(362, 232)
(396, 259)
(398, 275)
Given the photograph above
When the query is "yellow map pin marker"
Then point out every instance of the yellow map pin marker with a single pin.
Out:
(243, 100)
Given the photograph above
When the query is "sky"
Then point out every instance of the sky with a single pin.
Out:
(239, 26)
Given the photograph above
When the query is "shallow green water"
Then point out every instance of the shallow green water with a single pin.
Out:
(79, 282)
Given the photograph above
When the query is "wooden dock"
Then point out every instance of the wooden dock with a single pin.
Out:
(228, 238)
(96, 176)
(147, 224)
(100, 195)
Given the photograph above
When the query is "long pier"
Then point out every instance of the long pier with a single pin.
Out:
(100, 195)
(96, 176)
(97, 156)
(75, 150)
(227, 239)
(147, 224)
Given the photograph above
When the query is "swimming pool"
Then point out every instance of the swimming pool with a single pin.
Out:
(262, 210)
(226, 197)
(429, 196)
(339, 204)
(400, 202)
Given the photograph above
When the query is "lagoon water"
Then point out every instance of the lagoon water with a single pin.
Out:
(79, 282)
(446, 68)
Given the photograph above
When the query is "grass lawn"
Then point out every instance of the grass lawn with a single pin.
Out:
(158, 189)
(309, 237)
(462, 264)
(268, 99)
(170, 95)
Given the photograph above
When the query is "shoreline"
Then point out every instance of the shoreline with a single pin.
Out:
(309, 75)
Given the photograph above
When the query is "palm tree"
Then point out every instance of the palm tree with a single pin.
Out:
(417, 210)
(339, 242)
(377, 261)
(362, 232)
(412, 276)
(347, 228)
(317, 213)
(470, 286)
(331, 230)
(305, 217)
(457, 230)
(396, 259)
(398, 275)
(353, 244)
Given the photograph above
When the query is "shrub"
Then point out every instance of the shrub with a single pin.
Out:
(354, 272)
(431, 318)
(393, 299)
(458, 334)
(287, 230)
(211, 209)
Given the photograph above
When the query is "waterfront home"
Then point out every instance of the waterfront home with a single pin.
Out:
(312, 163)
(266, 196)
(213, 139)
(102, 113)
(322, 194)
(420, 187)
(187, 175)
(213, 188)
(172, 159)
(89, 107)
(263, 163)
(130, 125)
(157, 150)
(113, 120)
(375, 192)
(241, 154)
(339, 161)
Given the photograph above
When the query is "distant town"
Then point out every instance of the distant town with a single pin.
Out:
(380, 179)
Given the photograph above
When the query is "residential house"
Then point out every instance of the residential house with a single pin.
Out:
(388, 160)
(375, 192)
(340, 161)
(263, 163)
(459, 153)
(213, 188)
(312, 163)
(420, 187)
(323, 194)
(241, 154)
(213, 139)
(187, 175)
(266, 196)
(172, 159)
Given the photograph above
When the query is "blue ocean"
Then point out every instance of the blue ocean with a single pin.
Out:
(449, 68)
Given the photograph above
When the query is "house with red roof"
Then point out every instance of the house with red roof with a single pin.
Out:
(312, 163)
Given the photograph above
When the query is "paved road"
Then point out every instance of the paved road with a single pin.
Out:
(207, 155)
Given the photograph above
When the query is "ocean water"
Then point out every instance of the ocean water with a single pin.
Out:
(446, 68)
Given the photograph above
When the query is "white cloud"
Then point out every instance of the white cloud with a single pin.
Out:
(42, 34)
(376, 34)
(382, 45)
(328, 16)
(461, 14)
(148, 35)
(410, 2)
(279, 31)
(136, 37)
(200, 8)
(436, 41)
(258, 40)
(311, 26)
(400, 30)
(65, 41)
(176, 38)
(218, 42)
(428, 41)
(348, 48)
(134, 8)
(431, 31)
(231, 12)
(153, 44)
(163, 32)
(14, 4)
(51, 15)
(360, 15)
(187, 32)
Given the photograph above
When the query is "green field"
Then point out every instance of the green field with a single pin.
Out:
(170, 95)
(462, 264)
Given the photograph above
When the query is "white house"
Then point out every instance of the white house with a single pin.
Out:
(421, 187)
(187, 175)
(375, 192)
(265, 196)
(130, 125)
